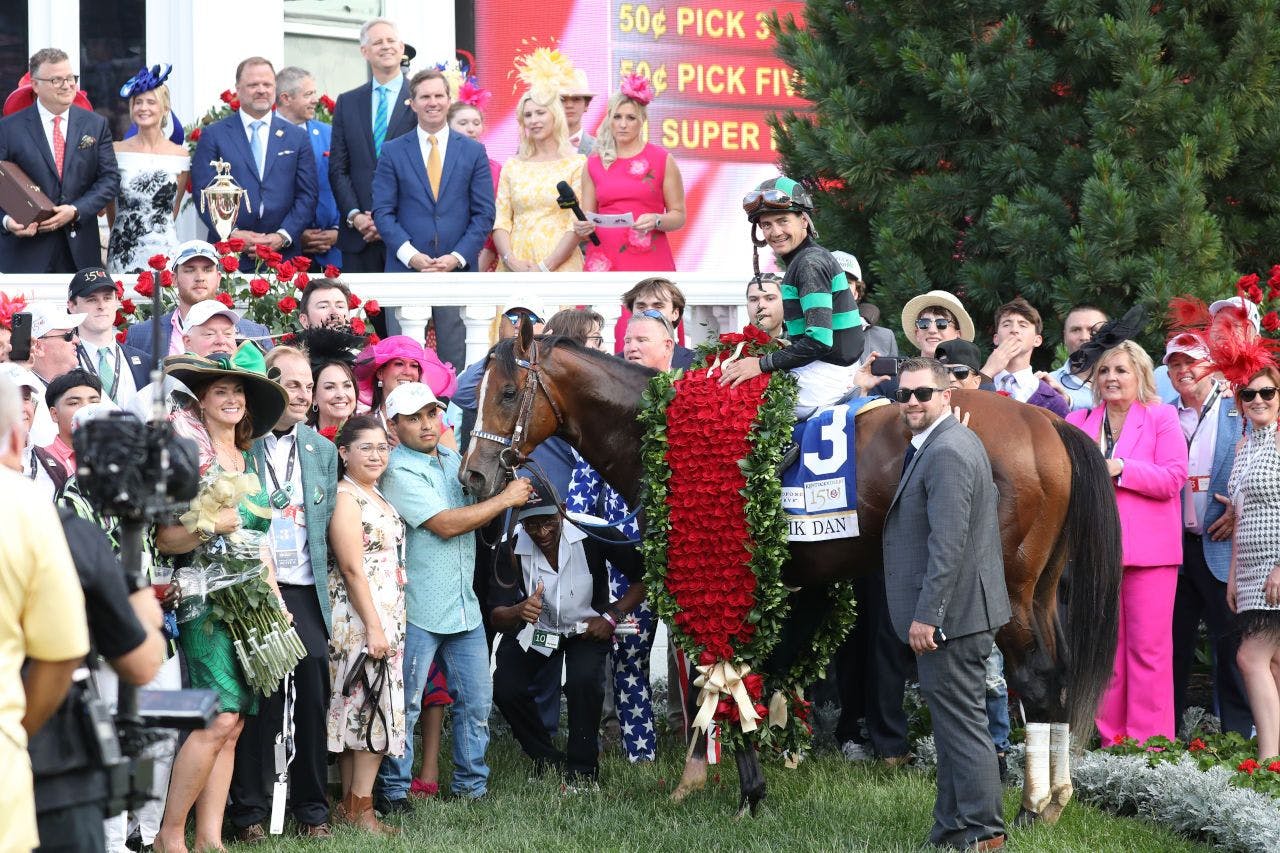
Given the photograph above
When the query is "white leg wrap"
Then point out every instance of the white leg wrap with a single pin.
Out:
(1060, 762)
(1035, 791)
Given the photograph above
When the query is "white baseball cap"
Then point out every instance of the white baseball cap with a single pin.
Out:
(49, 316)
(1188, 345)
(849, 264)
(202, 312)
(92, 411)
(410, 398)
(193, 249)
(1234, 302)
(20, 376)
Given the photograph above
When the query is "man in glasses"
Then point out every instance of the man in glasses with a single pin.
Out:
(66, 151)
(650, 340)
(819, 310)
(1077, 330)
(1019, 331)
(944, 580)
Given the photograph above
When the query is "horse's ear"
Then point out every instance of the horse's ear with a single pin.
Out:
(524, 340)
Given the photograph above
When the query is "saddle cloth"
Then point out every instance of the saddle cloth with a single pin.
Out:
(820, 491)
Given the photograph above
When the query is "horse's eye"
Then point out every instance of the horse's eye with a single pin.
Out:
(509, 392)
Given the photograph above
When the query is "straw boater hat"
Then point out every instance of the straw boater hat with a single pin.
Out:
(264, 398)
(936, 299)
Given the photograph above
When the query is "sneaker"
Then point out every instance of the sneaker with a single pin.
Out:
(314, 830)
(251, 834)
(854, 751)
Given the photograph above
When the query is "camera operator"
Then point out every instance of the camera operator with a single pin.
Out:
(41, 621)
(70, 781)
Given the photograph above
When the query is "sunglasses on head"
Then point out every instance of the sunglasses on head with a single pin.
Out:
(924, 394)
(772, 198)
(1267, 394)
(960, 371)
(66, 336)
(942, 323)
(514, 317)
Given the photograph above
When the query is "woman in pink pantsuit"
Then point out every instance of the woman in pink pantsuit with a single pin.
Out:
(1147, 457)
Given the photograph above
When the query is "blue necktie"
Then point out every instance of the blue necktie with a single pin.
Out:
(255, 145)
(380, 120)
(906, 457)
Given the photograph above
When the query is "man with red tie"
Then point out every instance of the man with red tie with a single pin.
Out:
(67, 151)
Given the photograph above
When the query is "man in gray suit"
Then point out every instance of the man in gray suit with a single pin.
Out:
(944, 581)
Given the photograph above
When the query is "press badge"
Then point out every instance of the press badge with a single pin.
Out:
(1199, 483)
(545, 639)
(284, 548)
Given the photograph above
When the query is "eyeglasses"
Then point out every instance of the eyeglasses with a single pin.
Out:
(923, 394)
(595, 340)
(774, 199)
(59, 82)
(514, 317)
(66, 336)
(1267, 394)
(371, 449)
(941, 323)
(959, 371)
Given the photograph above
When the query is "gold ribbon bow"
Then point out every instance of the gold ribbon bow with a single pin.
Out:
(723, 679)
(225, 490)
(778, 710)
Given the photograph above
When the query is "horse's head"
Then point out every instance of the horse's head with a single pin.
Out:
(516, 412)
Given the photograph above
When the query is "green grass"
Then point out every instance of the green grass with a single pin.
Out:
(825, 805)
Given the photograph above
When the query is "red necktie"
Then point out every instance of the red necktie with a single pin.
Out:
(59, 144)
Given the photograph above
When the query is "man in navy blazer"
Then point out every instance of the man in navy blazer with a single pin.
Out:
(364, 119)
(296, 97)
(438, 228)
(270, 158)
(195, 276)
(67, 151)
(1212, 426)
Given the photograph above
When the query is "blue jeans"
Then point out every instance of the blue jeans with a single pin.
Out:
(997, 700)
(464, 657)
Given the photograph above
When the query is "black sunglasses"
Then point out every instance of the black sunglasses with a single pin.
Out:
(924, 394)
(66, 336)
(959, 371)
(1267, 394)
(514, 317)
(941, 322)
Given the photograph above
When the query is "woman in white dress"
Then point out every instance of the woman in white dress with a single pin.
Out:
(153, 178)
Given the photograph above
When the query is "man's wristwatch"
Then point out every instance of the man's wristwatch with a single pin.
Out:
(351, 218)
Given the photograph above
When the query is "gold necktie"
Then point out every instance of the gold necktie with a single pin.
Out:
(434, 167)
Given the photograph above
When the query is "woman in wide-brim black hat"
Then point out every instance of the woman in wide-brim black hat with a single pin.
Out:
(236, 402)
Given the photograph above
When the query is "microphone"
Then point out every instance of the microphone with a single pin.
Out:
(568, 200)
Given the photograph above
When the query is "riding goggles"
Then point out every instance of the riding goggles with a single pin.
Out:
(773, 198)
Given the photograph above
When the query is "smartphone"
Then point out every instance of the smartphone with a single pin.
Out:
(20, 341)
(885, 365)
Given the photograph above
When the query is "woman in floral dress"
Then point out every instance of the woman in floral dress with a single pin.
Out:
(366, 538)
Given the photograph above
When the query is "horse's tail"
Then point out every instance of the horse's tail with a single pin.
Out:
(1093, 570)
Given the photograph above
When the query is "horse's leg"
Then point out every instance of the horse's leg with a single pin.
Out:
(1060, 789)
(1035, 768)
(694, 777)
(750, 781)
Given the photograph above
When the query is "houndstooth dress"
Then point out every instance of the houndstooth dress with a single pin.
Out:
(1255, 489)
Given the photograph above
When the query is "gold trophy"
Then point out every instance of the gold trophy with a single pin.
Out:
(223, 196)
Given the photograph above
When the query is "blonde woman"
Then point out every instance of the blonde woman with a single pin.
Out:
(153, 177)
(531, 233)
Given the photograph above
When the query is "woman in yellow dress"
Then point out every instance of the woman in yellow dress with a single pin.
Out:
(531, 232)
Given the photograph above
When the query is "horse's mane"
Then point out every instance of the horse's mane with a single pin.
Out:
(504, 352)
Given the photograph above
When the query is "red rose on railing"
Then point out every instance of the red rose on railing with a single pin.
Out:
(1271, 321)
(230, 263)
(1248, 766)
(288, 304)
(301, 280)
(357, 326)
(145, 285)
(194, 135)
(236, 245)
(301, 263)
(284, 272)
(227, 96)
(330, 271)
(353, 301)
(127, 306)
(225, 299)
(372, 308)
(259, 287)
(122, 336)
(373, 339)
(157, 262)
(235, 104)
(166, 278)
(328, 103)
(222, 247)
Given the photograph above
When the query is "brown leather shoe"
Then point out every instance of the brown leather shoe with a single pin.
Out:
(319, 830)
(995, 842)
(251, 834)
(358, 812)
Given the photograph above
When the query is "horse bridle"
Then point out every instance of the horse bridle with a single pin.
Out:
(510, 456)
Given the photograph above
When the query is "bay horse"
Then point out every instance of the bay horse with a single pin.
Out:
(1056, 507)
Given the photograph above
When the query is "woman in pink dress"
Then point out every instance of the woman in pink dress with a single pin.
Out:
(627, 175)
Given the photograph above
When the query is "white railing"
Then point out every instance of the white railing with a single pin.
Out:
(715, 301)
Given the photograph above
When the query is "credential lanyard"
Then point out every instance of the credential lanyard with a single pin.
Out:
(288, 471)
(82, 355)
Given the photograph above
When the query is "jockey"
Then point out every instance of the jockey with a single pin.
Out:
(820, 315)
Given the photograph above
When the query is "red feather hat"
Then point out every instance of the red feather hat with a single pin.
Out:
(1229, 331)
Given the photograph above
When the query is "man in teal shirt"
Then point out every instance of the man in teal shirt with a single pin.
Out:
(421, 481)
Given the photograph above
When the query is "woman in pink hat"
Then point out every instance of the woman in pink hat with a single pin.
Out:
(400, 359)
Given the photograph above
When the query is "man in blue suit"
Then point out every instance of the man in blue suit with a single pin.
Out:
(433, 202)
(196, 278)
(364, 119)
(270, 157)
(1212, 425)
(67, 151)
(296, 99)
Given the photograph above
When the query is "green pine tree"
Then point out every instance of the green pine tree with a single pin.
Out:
(1065, 151)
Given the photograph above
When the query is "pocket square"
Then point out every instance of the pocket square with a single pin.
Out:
(283, 153)
(87, 142)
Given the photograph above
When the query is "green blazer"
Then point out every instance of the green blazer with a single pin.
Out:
(318, 459)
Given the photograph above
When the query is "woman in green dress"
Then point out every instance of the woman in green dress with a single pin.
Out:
(235, 403)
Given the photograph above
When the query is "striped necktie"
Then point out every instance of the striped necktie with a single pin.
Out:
(380, 120)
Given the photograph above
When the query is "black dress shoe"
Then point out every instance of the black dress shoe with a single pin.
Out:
(385, 807)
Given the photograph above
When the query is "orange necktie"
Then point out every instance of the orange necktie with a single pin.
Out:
(434, 167)
(59, 144)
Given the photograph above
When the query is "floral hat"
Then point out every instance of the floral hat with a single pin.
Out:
(264, 397)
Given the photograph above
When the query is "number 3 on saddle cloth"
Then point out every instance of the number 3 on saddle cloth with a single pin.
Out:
(820, 491)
